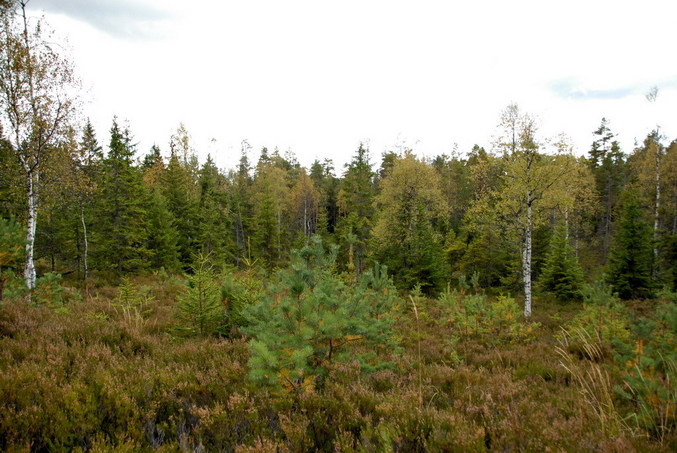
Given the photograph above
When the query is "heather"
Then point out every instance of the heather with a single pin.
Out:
(468, 374)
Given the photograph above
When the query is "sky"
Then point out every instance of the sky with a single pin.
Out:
(318, 77)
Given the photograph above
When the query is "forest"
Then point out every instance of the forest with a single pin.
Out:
(514, 297)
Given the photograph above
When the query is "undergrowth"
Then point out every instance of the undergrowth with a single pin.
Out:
(106, 370)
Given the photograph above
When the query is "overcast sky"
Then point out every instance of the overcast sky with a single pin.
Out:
(319, 77)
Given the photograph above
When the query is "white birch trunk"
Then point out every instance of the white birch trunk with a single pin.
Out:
(29, 270)
(526, 264)
(658, 201)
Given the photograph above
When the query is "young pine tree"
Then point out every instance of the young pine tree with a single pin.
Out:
(561, 274)
(312, 322)
(631, 254)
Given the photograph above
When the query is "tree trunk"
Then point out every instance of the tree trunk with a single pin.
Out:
(658, 201)
(305, 219)
(526, 263)
(85, 270)
(29, 270)
(239, 234)
(607, 216)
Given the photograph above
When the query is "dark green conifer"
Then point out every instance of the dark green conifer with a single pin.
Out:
(215, 218)
(180, 190)
(121, 222)
(162, 234)
(631, 254)
(561, 274)
(356, 210)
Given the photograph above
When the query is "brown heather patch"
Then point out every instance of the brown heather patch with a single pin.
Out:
(89, 379)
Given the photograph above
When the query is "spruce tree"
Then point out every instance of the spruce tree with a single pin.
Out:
(181, 194)
(215, 218)
(121, 223)
(561, 274)
(631, 254)
(608, 166)
(90, 158)
(356, 210)
(240, 203)
(327, 183)
(162, 234)
(199, 310)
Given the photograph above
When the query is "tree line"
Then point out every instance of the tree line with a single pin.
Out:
(492, 213)
(525, 212)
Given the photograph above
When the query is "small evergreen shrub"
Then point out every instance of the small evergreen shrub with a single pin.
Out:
(561, 274)
(49, 291)
(199, 310)
(237, 292)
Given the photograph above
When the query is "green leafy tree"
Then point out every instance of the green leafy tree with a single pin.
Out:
(631, 254)
(561, 274)
(199, 309)
(411, 217)
(311, 323)
(532, 185)
(649, 170)
(478, 247)
(270, 199)
(36, 105)
(12, 190)
(456, 186)
(64, 188)
(305, 206)
(479, 250)
(163, 236)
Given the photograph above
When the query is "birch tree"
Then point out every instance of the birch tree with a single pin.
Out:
(305, 204)
(411, 216)
(36, 103)
(270, 207)
(530, 187)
